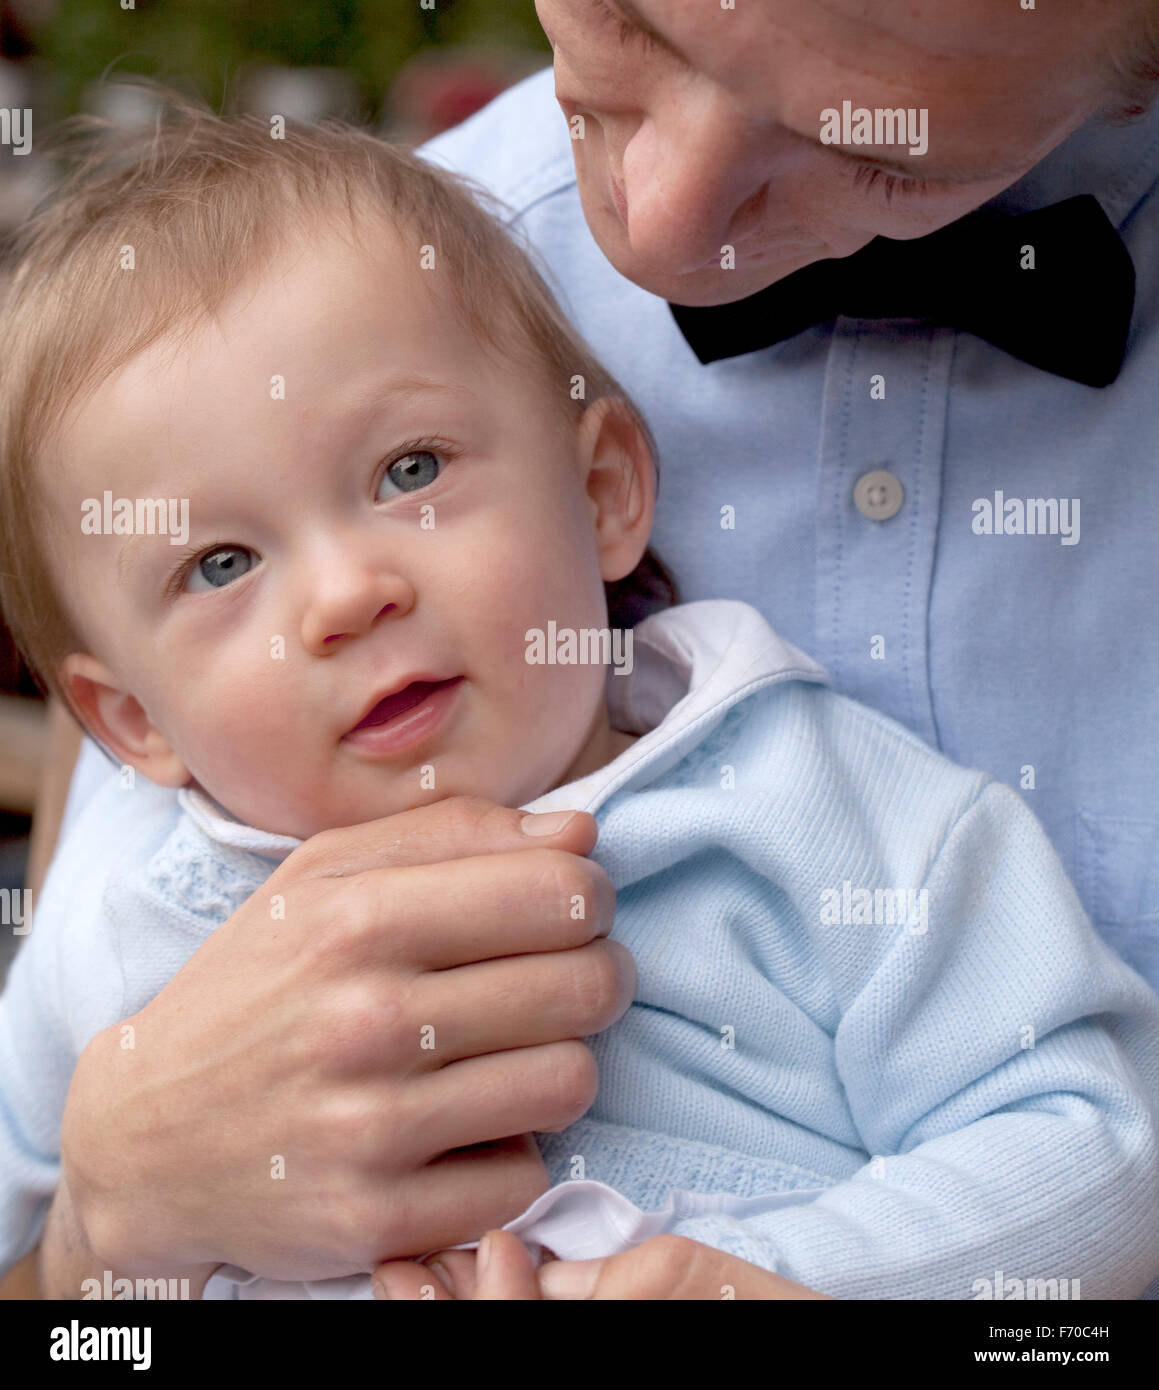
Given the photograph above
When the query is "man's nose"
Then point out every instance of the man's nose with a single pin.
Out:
(696, 181)
(349, 601)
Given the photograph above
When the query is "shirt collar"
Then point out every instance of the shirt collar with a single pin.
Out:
(690, 665)
(216, 823)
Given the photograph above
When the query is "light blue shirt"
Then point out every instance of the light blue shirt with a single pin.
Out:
(1034, 660)
(864, 983)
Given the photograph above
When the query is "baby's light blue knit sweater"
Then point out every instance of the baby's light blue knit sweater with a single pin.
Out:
(861, 972)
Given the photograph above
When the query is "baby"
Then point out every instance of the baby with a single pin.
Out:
(314, 509)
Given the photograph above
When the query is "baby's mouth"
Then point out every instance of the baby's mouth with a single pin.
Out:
(401, 701)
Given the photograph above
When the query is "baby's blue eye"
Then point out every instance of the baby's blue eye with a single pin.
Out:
(415, 470)
(220, 567)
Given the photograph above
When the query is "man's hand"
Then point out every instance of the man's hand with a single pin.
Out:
(665, 1267)
(336, 1076)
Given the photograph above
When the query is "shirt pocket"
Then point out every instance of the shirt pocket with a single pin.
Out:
(1117, 876)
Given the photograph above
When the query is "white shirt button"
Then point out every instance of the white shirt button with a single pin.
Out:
(878, 495)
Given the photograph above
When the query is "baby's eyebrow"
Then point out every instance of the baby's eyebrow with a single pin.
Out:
(375, 398)
(129, 554)
(124, 560)
(400, 386)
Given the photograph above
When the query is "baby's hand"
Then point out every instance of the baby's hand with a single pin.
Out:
(455, 1274)
(664, 1268)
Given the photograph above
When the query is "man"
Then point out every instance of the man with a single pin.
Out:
(844, 457)
(697, 131)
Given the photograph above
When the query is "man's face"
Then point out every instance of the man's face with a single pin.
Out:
(703, 130)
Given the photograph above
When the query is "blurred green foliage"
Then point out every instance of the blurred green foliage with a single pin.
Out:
(204, 43)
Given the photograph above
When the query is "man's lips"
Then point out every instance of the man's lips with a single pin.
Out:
(390, 706)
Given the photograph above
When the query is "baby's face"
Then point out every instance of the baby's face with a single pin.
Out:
(343, 634)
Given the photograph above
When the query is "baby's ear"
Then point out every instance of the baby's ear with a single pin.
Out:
(119, 721)
(621, 484)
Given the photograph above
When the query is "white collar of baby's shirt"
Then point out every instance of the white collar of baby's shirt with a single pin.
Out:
(216, 822)
(690, 665)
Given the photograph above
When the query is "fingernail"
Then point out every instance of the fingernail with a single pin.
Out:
(549, 823)
(569, 1278)
(484, 1254)
(444, 1274)
(378, 1288)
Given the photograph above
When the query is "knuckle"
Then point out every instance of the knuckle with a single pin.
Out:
(351, 914)
(497, 819)
(367, 1022)
(594, 985)
(345, 1127)
(314, 855)
(467, 814)
(560, 877)
(350, 1135)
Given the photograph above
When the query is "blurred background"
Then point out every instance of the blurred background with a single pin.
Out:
(406, 69)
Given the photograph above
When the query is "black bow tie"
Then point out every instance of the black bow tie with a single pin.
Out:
(1070, 315)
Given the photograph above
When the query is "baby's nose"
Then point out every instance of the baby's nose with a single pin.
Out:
(337, 614)
(338, 636)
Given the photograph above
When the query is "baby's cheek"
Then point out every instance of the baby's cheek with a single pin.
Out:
(241, 734)
(273, 785)
(540, 690)
(559, 703)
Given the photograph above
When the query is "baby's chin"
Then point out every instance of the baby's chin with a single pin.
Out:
(526, 764)
(304, 823)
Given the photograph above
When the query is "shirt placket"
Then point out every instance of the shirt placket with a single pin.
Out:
(880, 460)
